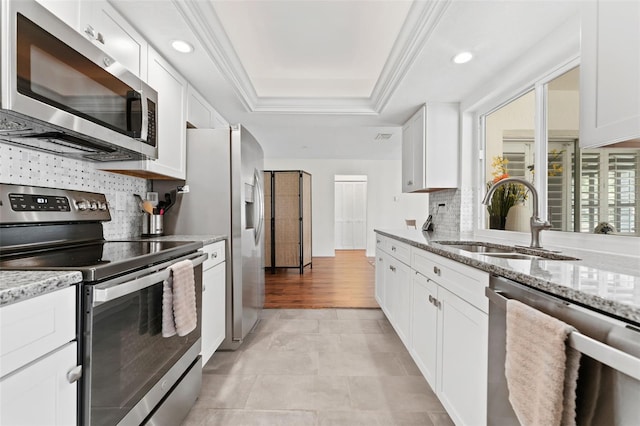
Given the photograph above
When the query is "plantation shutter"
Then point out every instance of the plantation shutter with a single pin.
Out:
(622, 187)
(590, 191)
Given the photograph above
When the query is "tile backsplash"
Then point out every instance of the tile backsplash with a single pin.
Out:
(28, 167)
(457, 213)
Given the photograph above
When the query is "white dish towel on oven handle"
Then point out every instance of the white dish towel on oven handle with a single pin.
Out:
(179, 314)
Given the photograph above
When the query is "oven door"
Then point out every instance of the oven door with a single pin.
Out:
(129, 367)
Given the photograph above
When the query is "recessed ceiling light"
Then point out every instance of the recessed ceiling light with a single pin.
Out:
(182, 46)
(462, 57)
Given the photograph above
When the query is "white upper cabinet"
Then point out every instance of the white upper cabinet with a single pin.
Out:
(430, 149)
(610, 73)
(106, 28)
(67, 10)
(103, 25)
(172, 125)
(172, 135)
(200, 114)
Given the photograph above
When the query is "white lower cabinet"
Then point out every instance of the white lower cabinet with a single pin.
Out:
(39, 360)
(393, 287)
(398, 296)
(40, 394)
(439, 310)
(380, 279)
(462, 359)
(213, 299)
(424, 327)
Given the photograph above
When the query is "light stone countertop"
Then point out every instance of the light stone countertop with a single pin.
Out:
(16, 286)
(604, 282)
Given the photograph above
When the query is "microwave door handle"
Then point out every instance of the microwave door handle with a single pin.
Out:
(114, 291)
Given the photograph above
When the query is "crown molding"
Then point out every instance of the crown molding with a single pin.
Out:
(421, 20)
(204, 22)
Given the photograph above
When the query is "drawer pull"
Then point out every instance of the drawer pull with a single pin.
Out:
(380, 259)
(215, 254)
(436, 270)
(393, 248)
(393, 268)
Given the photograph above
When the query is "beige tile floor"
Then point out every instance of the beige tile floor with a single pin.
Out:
(317, 367)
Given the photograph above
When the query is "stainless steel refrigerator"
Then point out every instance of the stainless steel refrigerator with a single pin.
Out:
(224, 174)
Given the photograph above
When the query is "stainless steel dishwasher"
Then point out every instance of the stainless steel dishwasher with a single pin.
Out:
(608, 390)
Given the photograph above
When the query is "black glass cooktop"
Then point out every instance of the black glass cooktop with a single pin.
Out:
(99, 261)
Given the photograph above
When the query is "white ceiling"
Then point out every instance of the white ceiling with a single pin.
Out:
(312, 49)
(321, 78)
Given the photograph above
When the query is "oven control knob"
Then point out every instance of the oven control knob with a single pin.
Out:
(93, 205)
(102, 206)
(82, 205)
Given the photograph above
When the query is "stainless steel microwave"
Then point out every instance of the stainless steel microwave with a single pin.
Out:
(62, 94)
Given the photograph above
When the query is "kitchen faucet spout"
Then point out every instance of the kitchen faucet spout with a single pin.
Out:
(536, 224)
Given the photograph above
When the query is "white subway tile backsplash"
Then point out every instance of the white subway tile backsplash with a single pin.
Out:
(28, 167)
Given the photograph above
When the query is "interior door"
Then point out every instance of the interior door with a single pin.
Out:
(350, 215)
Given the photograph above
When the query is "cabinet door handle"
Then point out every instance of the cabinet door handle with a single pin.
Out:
(393, 248)
(93, 34)
(431, 299)
(215, 254)
(377, 241)
(436, 270)
(409, 183)
(438, 304)
(393, 268)
(74, 374)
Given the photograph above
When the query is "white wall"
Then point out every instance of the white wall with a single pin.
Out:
(387, 206)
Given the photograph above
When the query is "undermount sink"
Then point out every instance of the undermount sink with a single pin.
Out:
(477, 248)
(518, 256)
(505, 252)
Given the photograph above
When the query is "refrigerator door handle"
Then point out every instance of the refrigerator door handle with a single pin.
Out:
(260, 201)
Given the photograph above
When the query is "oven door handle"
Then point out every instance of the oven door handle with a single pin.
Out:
(114, 290)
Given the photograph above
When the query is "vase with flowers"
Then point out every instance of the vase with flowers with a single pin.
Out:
(505, 197)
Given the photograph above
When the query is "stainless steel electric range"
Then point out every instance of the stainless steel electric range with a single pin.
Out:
(131, 374)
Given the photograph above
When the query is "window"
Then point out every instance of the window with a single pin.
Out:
(590, 191)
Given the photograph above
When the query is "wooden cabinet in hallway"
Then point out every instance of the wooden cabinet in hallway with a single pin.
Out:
(287, 219)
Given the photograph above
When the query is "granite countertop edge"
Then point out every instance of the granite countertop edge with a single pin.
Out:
(596, 302)
(16, 286)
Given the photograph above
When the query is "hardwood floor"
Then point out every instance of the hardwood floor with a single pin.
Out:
(344, 281)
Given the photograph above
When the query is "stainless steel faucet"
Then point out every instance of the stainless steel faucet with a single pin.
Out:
(535, 222)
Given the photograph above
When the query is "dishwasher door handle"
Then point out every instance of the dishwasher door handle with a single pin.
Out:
(608, 355)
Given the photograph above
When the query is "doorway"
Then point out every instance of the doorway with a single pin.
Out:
(350, 212)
